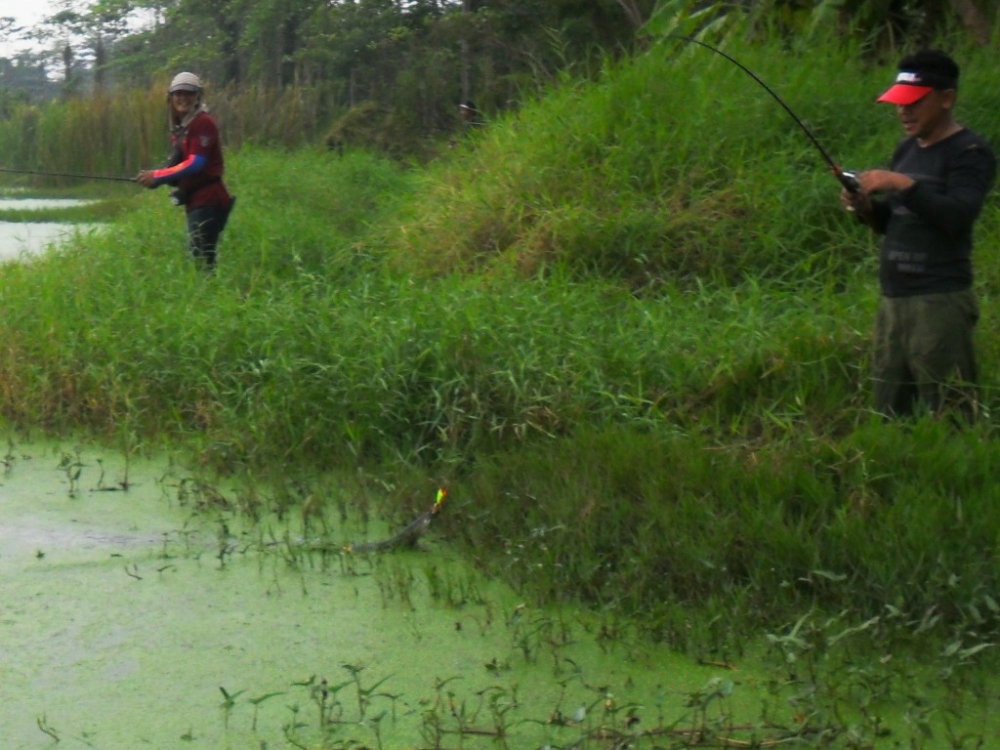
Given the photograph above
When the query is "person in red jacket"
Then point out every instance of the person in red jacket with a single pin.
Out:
(195, 168)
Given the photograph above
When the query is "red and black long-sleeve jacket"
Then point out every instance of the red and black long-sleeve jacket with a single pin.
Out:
(199, 166)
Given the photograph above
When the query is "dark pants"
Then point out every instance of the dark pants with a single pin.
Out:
(204, 225)
(924, 353)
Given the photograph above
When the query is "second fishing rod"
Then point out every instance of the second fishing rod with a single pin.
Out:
(849, 180)
(74, 175)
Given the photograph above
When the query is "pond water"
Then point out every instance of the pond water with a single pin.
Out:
(35, 204)
(138, 610)
(146, 617)
(19, 240)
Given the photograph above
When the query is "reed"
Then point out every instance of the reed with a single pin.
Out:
(122, 132)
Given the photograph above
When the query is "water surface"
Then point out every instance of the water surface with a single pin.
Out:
(35, 204)
(22, 240)
(147, 618)
(138, 610)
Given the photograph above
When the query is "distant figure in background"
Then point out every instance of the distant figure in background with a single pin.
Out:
(925, 206)
(471, 119)
(195, 168)
(471, 116)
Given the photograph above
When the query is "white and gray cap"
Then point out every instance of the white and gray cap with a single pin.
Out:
(185, 82)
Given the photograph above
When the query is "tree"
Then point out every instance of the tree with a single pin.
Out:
(23, 78)
(79, 36)
(211, 31)
(276, 36)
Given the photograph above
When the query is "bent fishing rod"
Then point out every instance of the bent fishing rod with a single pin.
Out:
(69, 174)
(848, 179)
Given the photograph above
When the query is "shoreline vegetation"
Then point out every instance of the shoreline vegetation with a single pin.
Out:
(627, 327)
(98, 210)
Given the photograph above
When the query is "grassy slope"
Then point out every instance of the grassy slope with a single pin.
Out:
(628, 326)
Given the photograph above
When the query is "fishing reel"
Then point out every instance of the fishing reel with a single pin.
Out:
(849, 180)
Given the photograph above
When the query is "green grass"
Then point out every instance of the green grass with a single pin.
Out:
(629, 327)
(673, 167)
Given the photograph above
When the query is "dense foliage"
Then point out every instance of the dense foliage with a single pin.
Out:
(400, 67)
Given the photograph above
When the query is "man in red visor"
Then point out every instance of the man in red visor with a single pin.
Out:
(925, 205)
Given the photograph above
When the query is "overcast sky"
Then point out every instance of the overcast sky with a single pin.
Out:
(26, 13)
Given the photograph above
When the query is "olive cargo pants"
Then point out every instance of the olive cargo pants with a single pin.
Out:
(924, 353)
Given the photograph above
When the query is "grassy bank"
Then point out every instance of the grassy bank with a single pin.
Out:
(628, 327)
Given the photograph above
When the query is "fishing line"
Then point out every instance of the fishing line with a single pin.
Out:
(848, 179)
(69, 174)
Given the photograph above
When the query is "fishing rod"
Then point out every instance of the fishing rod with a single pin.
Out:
(848, 179)
(69, 174)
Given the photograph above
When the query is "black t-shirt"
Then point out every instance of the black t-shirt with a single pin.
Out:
(928, 227)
